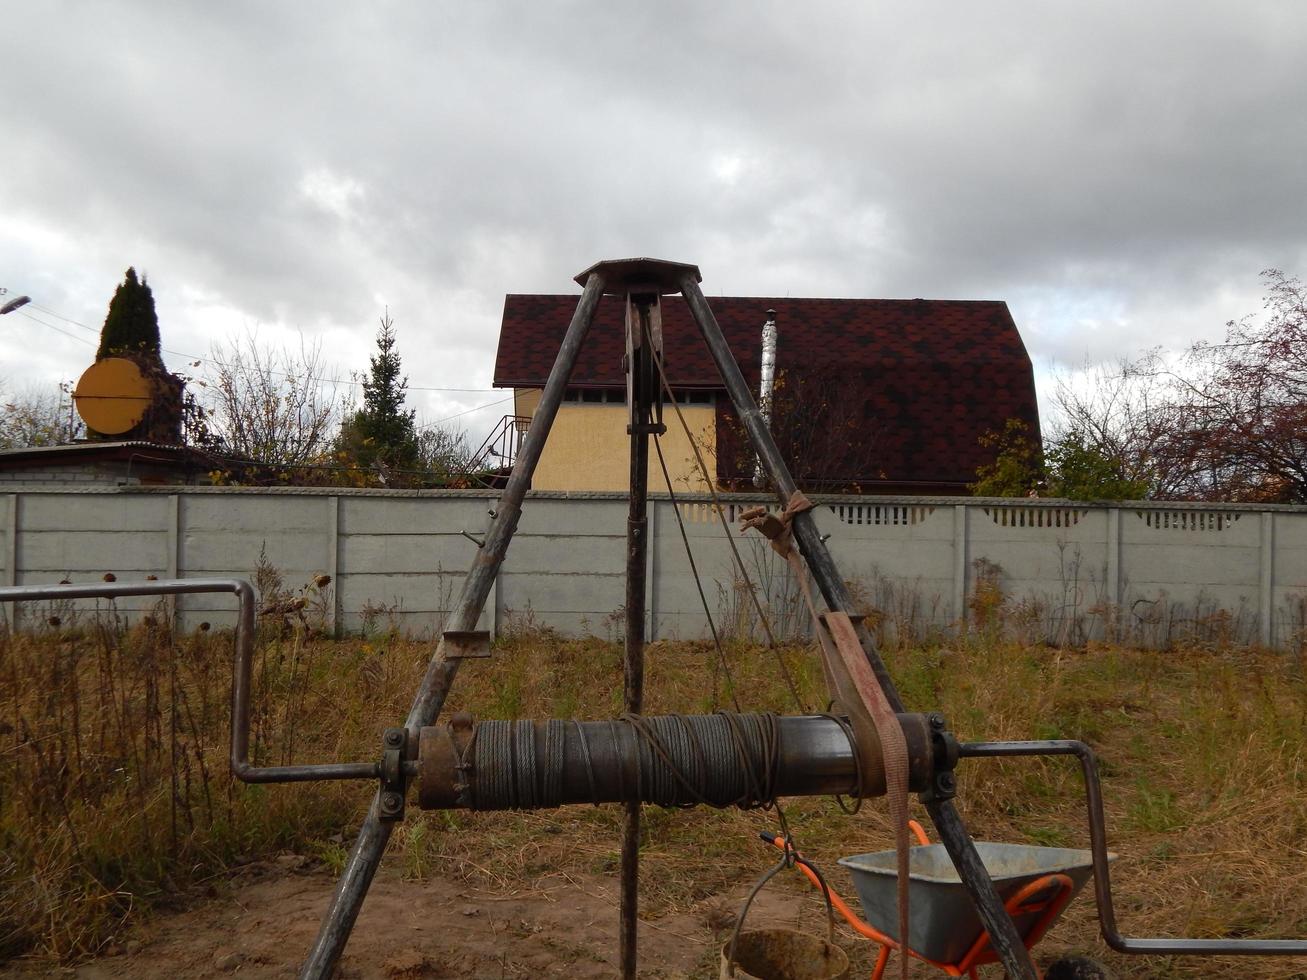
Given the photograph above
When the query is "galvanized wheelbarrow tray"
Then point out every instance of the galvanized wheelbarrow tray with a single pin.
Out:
(942, 921)
(1035, 883)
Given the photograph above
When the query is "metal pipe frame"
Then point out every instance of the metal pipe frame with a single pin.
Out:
(642, 388)
(241, 766)
(1102, 873)
(1007, 943)
(442, 669)
(373, 836)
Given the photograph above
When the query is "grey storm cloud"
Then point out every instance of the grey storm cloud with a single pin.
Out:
(1119, 172)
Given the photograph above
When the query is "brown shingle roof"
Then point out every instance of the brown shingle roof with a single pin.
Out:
(926, 377)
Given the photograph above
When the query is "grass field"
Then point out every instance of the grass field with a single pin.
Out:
(115, 799)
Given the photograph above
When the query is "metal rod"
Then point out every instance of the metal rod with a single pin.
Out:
(639, 367)
(375, 833)
(241, 666)
(1007, 943)
(1102, 873)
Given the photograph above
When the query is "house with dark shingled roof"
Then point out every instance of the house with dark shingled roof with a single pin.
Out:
(872, 395)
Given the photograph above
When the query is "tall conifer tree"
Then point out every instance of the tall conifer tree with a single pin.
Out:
(381, 430)
(131, 326)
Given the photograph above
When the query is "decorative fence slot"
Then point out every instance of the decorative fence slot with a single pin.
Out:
(1188, 520)
(1035, 516)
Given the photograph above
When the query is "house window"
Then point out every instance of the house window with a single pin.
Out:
(617, 396)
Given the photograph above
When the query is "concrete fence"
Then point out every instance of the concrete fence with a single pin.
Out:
(1152, 573)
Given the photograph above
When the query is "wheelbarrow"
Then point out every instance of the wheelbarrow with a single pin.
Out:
(1036, 884)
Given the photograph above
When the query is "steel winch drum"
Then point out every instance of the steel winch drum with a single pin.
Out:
(942, 921)
(783, 954)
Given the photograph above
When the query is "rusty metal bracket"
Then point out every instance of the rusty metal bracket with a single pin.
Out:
(394, 777)
(944, 754)
(466, 644)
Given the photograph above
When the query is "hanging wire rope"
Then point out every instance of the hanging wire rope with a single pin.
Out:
(730, 539)
(774, 803)
(698, 583)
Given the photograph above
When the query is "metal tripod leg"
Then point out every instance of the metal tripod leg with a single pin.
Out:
(642, 387)
(1007, 943)
(375, 833)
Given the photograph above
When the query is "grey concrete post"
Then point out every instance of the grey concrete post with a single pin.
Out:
(174, 543)
(1266, 585)
(11, 539)
(651, 572)
(960, 555)
(333, 563)
(11, 552)
(1113, 583)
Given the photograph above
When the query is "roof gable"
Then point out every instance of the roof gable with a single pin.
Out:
(917, 382)
(862, 332)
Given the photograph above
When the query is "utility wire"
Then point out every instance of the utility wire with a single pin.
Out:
(221, 363)
(66, 333)
(447, 418)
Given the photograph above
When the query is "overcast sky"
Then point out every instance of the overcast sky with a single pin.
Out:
(1118, 172)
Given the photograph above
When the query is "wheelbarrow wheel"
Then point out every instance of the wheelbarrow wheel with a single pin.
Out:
(1077, 968)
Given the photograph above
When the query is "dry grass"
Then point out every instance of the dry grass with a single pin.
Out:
(115, 798)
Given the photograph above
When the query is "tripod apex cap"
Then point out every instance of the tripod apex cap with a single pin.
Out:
(623, 274)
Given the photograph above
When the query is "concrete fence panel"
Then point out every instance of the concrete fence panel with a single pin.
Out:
(1153, 573)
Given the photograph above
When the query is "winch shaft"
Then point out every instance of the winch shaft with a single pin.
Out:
(718, 760)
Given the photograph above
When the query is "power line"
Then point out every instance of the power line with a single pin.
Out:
(449, 418)
(73, 336)
(221, 363)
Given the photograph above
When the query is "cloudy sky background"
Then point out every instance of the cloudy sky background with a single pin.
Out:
(1118, 172)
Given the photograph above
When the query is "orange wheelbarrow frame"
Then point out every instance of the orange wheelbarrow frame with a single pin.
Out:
(1045, 897)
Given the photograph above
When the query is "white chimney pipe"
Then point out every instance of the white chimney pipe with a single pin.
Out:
(769, 337)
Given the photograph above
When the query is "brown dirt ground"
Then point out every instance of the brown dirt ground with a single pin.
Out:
(261, 922)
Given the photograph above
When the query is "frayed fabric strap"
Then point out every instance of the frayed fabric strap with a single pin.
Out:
(776, 527)
(852, 684)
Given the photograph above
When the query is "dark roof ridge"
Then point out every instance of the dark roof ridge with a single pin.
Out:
(794, 299)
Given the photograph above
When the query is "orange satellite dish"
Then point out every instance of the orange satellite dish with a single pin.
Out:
(112, 396)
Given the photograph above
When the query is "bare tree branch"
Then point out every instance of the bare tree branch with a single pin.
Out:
(269, 405)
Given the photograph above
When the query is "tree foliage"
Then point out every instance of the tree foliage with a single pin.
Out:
(1018, 467)
(1077, 469)
(37, 417)
(271, 406)
(1071, 466)
(1243, 405)
(382, 432)
(131, 325)
(442, 452)
(1226, 421)
(822, 429)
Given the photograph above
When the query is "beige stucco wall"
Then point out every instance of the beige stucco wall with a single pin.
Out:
(588, 448)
